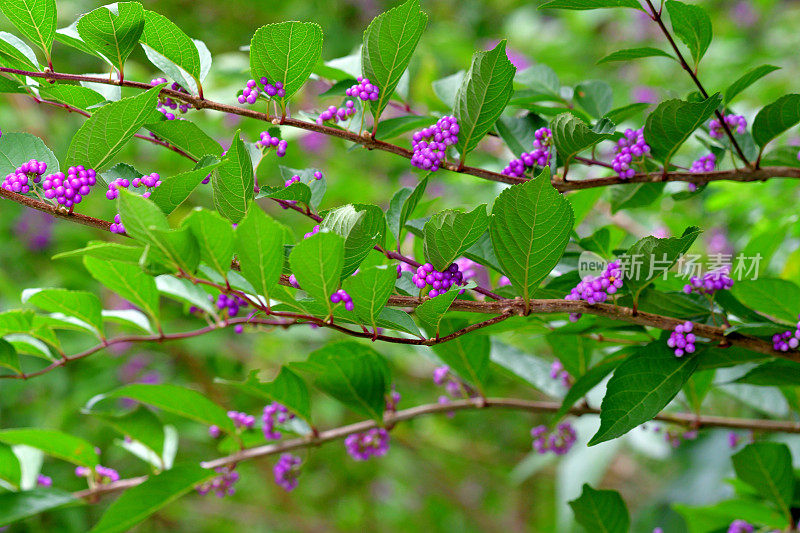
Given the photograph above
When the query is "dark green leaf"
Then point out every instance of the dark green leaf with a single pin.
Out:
(288, 389)
(8, 356)
(775, 118)
(467, 355)
(74, 95)
(259, 247)
(776, 373)
(52, 442)
(748, 79)
(571, 136)
(214, 236)
(590, 4)
(317, 264)
(586, 383)
(651, 257)
(16, 506)
(18, 148)
(595, 97)
(633, 195)
(402, 205)
(128, 281)
(82, 305)
(778, 298)
(370, 289)
(166, 38)
(692, 26)
(174, 190)
(113, 30)
(673, 121)
(286, 52)
(362, 226)
(601, 511)
(767, 467)
(36, 19)
(634, 53)
(187, 136)
(449, 233)
(394, 127)
(233, 182)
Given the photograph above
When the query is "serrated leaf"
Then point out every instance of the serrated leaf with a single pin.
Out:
(775, 118)
(141, 501)
(17, 506)
(16, 54)
(259, 246)
(362, 226)
(128, 281)
(287, 389)
(187, 136)
(317, 264)
(640, 388)
(767, 467)
(595, 96)
(286, 52)
(79, 304)
(484, 93)
(625, 112)
(233, 182)
(449, 233)
(74, 95)
(747, 79)
(650, 257)
(590, 4)
(106, 250)
(166, 38)
(53, 442)
(214, 236)
(673, 121)
(601, 511)
(103, 135)
(370, 289)
(36, 19)
(692, 25)
(634, 53)
(18, 148)
(402, 205)
(389, 43)
(571, 136)
(9, 358)
(113, 33)
(432, 311)
(174, 190)
(777, 298)
(530, 227)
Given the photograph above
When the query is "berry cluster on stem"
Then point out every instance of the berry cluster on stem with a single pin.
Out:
(430, 144)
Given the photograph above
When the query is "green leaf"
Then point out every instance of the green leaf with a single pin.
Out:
(128, 317)
(166, 38)
(586, 383)
(634, 53)
(542, 80)
(673, 121)
(16, 506)
(79, 304)
(432, 311)
(36, 19)
(601, 511)
(286, 52)
(640, 388)
(354, 374)
(74, 95)
(518, 132)
(185, 291)
(398, 320)
(571, 136)
(140, 424)
(10, 470)
(171, 398)
(767, 467)
(650, 257)
(573, 351)
(595, 97)
(187, 136)
(141, 501)
(174, 190)
(747, 79)
(446, 88)
(394, 127)
(590, 4)
(8, 356)
(317, 264)
(370, 289)
(633, 195)
(775, 118)
(18, 148)
(719, 516)
(449, 233)
(362, 226)
(9, 86)
(53, 442)
(467, 355)
(389, 43)
(778, 298)
(692, 26)
(483, 95)
(113, 30)
(214, 236)
(530, 227)
(128, 281)
(259, 246)
(287, 389)
(402, 205)
(103, 135)
(233, 182)
(776, 373)
(140, 215)
(16, 54)
(621, 114)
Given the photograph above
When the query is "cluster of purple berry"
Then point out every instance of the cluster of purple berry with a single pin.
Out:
(440, 282)
(26, 175)
(337, 113)
(103, 473)
(788, 340)
(242, 420)
(69, 190)
(453, 386)
(222, 485)
(737, 122)
(392, 399)
(676, 438)
(274, 414)
(149, 181)
(540, 156)
(266, 141)
(364, 90)
(430, 144)
(44, 481)
(596, 289)
(231, 303)
(372, 443)
(559, 441)
(166, 104)
(557, 372)
(711, 282)
(740, 526)
(628, 147)
(704, 164)
(682, 339)
(286, 471)
(342, 296)
(252, 91)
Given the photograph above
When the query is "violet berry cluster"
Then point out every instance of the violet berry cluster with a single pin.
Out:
(149, 182)
(167, 105)
(440, 282)
(104, 474)
(740, 526)
(230, 303)
(274, 414)
(707, 163)
(44, 481)
(430, 144)
(539, 157)
(286, 471)
(342, 296)
(711, 282)
(453, 386)
(69, 190)
(557, 372)
(24, 177)
(631, 146)
(559, 441)
(253, 90)
(337, 113)
(596, 289)
(222, 485)
(242, 420)
(788, 340)
(363, 90)
(267, 141)
(372, 443)
(682, 339)
(736, 122)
